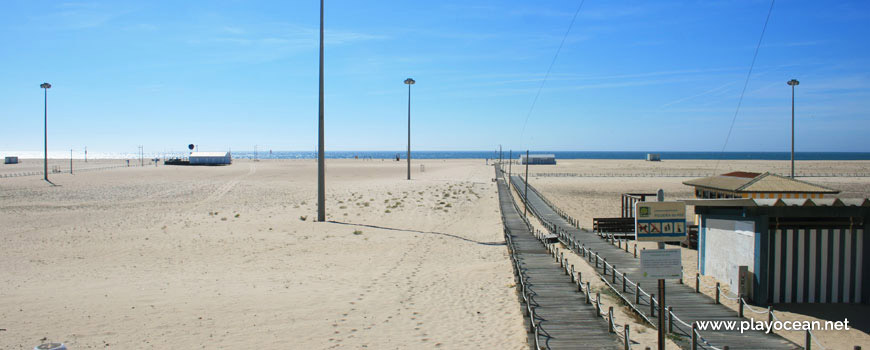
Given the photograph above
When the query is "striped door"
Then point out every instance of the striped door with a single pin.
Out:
(816, 265)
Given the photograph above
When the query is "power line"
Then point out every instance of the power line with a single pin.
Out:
(546, 76)
(745, 84)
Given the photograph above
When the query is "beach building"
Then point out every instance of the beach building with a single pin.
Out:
(799, 250)
(538, 159)
(741, 184)
(210, 158)
(11, 160)
(653, 157)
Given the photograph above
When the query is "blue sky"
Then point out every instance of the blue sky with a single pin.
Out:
(632, 75)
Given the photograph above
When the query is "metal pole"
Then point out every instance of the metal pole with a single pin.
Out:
(321, 181)
(510, 163)
(45, 163)
(526, 191)
(792, 131)
(409, 131)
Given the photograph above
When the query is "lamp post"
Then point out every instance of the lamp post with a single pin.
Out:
(321, 181)
(46, 86)
(409, 82)
(792, 83)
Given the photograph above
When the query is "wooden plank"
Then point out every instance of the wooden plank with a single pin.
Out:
(566, 321)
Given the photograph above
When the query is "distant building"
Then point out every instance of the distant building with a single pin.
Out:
(740, 184)
(538, 159)
(653, 157)
(210, 158)
(11, 160)
(786, 250)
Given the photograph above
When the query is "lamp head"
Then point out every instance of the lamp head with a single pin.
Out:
(45, 85)
(793, 82)
(410, 81)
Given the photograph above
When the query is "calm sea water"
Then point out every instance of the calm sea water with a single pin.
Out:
(559, 155)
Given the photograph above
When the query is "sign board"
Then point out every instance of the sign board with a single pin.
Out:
(660, 221)
(661, 263)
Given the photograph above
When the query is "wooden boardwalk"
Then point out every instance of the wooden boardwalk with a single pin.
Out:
(564, 320)
(688, 306)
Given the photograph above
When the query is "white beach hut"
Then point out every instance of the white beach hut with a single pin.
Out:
(210, 158)
(538, 159)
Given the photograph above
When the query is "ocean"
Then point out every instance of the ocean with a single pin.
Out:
(78, 154)
(559, 155)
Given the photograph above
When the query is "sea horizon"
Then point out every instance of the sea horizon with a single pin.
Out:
(640, 155)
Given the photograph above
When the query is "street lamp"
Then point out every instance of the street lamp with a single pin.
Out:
(321, 170)
(46, 86)
(409, 82)
(792, 83)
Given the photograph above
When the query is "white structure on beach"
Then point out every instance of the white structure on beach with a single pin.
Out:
(210, 158)
(11, 160)
(653, 157)
(539, 159)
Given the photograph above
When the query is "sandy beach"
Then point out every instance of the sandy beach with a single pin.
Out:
(229, 257)
(169, 257)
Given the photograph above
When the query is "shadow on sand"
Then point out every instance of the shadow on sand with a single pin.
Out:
(418, 231)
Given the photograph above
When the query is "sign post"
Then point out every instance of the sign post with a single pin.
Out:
(660, 222)
(661, 264)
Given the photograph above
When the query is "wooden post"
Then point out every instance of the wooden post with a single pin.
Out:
(623, 281)
(637, 291)
(652, 305)
(717, 292)
(670, 319)
(635, 250)
(697, 282)
(587, 292)
(770, 314)
(662, 303)
(694, 336)
(604, 266)
(809, 341)
(598, 303)
(613, 281)
(627, 339)
(610, 319)
(740, 308)
(572, 272)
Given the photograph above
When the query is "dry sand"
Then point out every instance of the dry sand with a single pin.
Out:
(586, 197)
(229, 257)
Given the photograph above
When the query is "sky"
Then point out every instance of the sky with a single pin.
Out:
(630, 76)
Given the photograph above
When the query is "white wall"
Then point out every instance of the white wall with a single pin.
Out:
(728, 244)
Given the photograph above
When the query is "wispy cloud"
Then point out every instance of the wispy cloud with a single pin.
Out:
(795, 43)
(707, 92)
(268, 42)
(81, 15)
